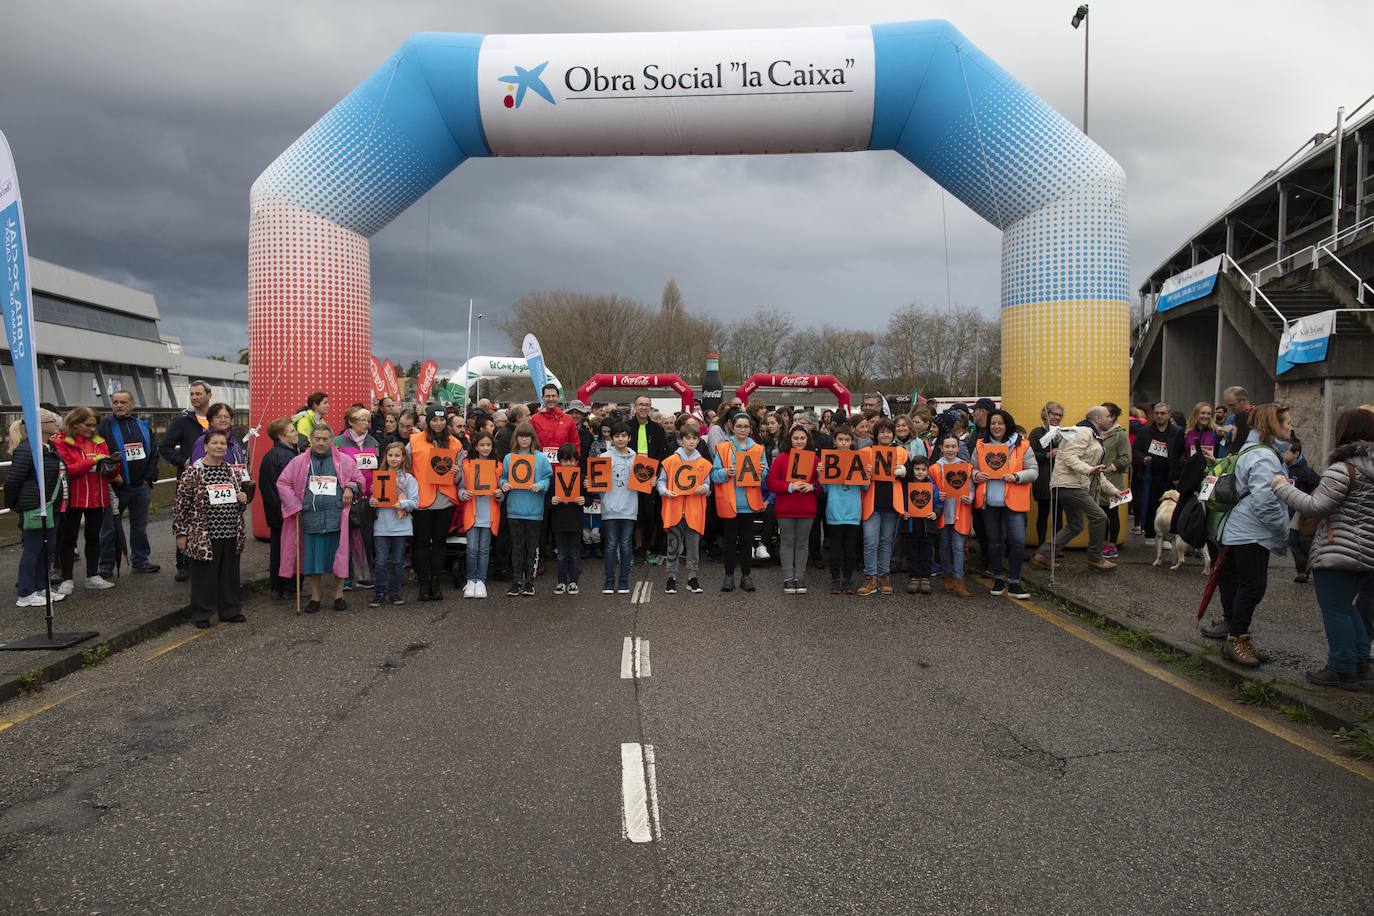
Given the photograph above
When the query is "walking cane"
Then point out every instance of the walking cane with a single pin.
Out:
(298, 567)
(1054, 517)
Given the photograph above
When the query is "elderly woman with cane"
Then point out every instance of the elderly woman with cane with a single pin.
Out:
(317, 489)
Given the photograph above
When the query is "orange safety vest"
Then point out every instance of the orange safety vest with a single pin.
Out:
(869, 496)
(963, 512)
(693, 506)
(433, 468)
(1016, 495)
(725, 492)
(470, 514)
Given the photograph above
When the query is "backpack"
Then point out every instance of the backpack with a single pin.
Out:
(1190, 522)
(1220, 491)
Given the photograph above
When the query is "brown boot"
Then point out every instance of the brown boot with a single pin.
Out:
(1040, 560)
(958, 589)
(949, 579)
(1101, 565)
(885, 585)
(869, 587)
(1237, 649)
(923, 586)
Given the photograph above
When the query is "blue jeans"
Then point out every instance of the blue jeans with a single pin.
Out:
(880, 531)
(1006, 530)
(389, 553)
(619, 535)
(135, 500)
(479, 553)
(32, 576)
(951, 552)
(1347, 636)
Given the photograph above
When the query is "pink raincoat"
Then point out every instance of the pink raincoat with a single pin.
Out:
(291, 488)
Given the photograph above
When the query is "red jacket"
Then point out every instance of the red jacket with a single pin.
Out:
(785, 504)
(555, 428)
(89, 485)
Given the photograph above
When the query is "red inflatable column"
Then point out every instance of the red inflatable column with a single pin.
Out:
(309, 317)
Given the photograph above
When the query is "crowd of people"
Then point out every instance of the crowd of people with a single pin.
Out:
(376, 503)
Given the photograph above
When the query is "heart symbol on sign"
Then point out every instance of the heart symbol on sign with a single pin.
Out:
(643, 473)
(957, 479)
(997, 461)
(920, 499)
(441, 464)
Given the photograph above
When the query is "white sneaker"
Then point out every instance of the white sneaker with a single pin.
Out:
(66, 587)
(1168, 545)
(1149, 542)
(98, 582)
(480, 590)
(470, 590)
(34, 600)
(760, 552)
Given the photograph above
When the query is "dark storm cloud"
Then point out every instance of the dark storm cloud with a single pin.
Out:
(138, 129)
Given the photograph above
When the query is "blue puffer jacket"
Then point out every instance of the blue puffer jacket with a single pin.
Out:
(843, 504)
(1259, 518)
(528, 505)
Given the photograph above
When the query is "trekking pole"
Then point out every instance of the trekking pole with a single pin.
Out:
(298, 567)
(1054, 518)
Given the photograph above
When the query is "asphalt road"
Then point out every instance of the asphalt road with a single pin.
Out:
(812, 755)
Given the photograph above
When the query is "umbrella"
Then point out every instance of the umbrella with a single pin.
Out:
(1212, 580)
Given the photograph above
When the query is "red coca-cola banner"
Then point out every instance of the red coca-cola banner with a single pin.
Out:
(393, 384)
(638, 380)
(812, 382)
(425, 382)
(378, 380)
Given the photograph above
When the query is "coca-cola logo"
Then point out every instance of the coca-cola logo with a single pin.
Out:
(633, 380)
(795, 380)
(710, 392)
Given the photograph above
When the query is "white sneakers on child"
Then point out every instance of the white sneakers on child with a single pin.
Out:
(37, 599)
(760, 552)
(470, 590)
(66, 587)
(480, 591)
(98, 582)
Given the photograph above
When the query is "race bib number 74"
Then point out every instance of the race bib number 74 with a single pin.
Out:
(324, 485)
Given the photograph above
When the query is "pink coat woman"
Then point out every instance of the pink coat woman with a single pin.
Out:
(291, 488)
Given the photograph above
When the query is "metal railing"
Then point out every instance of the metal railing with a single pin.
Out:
(1228, 262)
(5, 464)
(1286, 263)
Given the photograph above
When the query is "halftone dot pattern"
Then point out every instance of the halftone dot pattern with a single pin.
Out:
(1076, 352)
(309, 311)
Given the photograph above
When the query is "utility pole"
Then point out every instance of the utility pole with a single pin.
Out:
(1080, 17)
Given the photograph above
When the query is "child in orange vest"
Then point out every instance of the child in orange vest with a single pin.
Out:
(956, 521)
(684, 513)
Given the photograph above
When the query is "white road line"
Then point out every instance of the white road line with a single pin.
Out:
(634, 658)
(651, 771)
(638, 590)
(634, 789)
(644, 596)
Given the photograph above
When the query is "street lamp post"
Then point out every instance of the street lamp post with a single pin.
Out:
(477, 391)
(1081, 18)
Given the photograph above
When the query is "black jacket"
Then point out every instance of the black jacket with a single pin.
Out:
(1167, 467)
(657, 438)
(144, 471)
(179, 439)
(21, 484)
(501, 441)
(273, 463)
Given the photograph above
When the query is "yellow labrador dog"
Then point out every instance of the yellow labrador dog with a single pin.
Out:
(1164, 517)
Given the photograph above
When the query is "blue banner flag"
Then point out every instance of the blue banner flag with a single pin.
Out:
(534, 358)
(18, 305)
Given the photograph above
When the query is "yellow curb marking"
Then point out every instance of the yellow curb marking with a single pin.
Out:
(156, 653)
(1227, 706)
(41, 707)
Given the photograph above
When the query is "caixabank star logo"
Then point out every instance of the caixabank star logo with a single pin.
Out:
(523, 80)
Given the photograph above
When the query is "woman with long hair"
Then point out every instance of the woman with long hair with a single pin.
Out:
(90, 471)
(21, 498)
(436, 459)
(1201, 433)
(1004, 477)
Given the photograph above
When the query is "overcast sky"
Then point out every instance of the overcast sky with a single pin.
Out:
(138, 128)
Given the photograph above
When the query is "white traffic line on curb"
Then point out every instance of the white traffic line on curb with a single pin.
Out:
(634, 658)
(638, 786)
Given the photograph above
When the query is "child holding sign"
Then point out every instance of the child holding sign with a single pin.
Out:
(792, 478)
(953, 476)
(1004, 479)
(481, 518)
(882, 505)
(525, 475)
(922, 527)
(843, 514)
(395, 494)
(619, 510)
(566, 519)
(684, 480)
(737, 471)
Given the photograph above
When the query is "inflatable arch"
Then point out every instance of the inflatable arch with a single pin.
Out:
(803, 382)
(482, 367)
(641, 380)
(919, 88)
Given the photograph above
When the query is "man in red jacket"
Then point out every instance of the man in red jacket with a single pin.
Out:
(553, 426)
